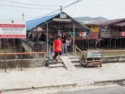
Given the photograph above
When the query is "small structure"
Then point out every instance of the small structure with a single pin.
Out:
(91, 58)
(57, 24)
(109, 33)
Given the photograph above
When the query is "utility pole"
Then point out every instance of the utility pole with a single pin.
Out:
(60, 8)
(22, 16)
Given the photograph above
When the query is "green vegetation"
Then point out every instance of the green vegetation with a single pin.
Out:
(8, 56)
(108, 53)
(113, 53)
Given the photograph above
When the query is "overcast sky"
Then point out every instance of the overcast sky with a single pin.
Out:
(13, 9)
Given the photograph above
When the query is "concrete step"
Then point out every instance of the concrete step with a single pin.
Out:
(73, 57)
(77, 64)
(56, 65)
(75, 60)
(54, 61)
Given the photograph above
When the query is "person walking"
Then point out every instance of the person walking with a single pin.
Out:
(68, 42)
(57, 48)
(64, 43)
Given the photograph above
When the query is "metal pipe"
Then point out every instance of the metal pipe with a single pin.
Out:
(5, 55)
(47, 40)
(21, 56)
(74, 39)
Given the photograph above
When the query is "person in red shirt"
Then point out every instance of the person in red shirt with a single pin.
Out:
(57, 48)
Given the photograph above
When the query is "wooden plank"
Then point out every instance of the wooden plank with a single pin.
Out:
(68, 64)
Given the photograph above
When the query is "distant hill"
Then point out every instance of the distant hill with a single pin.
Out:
(89, 19)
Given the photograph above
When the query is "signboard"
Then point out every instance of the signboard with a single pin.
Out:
(61, 20)
(12, 29)
(82, 34)
(122, 34)
(94, 54)
(105, 34)
(63, 15)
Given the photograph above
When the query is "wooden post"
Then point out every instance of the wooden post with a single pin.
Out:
(120, 43)
(21, 56)
(115, 43)
(100, 43)
(110, 42)
(44, 58)
(88, 43)
(5, 55)
(47, 39)
(95, 43)
(73, 38)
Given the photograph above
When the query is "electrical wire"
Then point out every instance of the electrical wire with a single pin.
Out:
(74, 10)
(29, 3)
(59, 9)
(26, 7)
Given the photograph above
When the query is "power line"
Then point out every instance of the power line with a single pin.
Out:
(26, 7)
(65, 6)
(71, 4)
(28, 3)
(74, 10)
(57, 9)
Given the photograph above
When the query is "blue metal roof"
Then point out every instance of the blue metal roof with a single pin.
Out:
(33, 23)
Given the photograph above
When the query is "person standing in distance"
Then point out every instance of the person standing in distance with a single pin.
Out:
(57, 48)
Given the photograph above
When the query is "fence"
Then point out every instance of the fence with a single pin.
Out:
(108, 55)
(19, 57)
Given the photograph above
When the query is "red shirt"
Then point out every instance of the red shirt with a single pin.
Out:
(57, 45)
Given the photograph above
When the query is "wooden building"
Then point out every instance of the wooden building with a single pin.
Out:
(109, 33)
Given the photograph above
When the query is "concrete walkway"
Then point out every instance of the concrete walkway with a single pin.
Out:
(47, 77)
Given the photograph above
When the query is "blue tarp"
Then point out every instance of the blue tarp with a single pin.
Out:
(35, 22)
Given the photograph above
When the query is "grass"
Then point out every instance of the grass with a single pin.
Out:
(8, 56)
(109, 52)
(7, 50)
(113, 53)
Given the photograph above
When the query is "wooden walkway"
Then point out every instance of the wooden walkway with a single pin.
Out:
(67, 62)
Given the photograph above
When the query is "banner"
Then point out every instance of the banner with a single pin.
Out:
(122, 34)
(12, 29)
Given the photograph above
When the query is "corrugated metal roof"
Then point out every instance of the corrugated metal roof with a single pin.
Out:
(35, 22)
(120, 24)
(107, 22)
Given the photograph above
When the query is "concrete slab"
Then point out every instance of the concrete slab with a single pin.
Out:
(44, 76)
(68, 64)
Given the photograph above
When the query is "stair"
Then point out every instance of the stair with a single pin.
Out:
(51, 63)
(75, 60)
(56, 65)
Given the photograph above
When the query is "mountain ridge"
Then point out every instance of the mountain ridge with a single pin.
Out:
(88, 19)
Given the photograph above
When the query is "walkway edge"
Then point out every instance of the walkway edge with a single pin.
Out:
(41, 87)
(109, 81)
(63, 85)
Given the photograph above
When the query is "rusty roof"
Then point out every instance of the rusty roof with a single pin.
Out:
(107, 22)
(120, 24)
